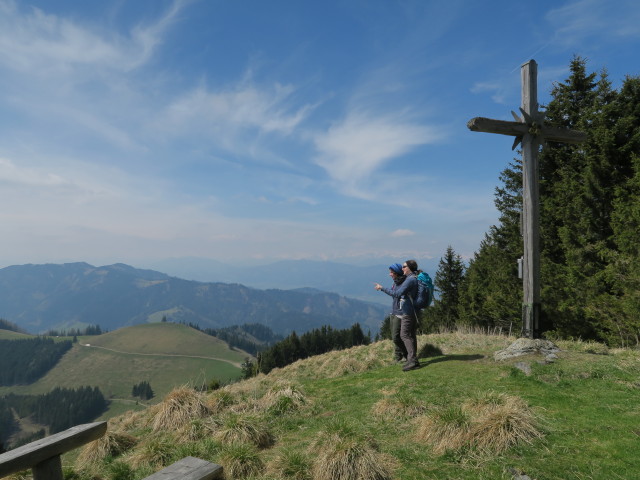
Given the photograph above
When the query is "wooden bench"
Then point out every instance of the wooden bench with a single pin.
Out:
(43, 456)
(189, 468)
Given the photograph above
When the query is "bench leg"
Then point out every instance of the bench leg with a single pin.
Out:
(48, 470)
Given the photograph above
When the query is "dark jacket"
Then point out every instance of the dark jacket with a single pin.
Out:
(405, 293)
(395, 304)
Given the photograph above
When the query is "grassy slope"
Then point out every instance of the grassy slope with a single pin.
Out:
(589, 405)
(9, 335)
(164, 354)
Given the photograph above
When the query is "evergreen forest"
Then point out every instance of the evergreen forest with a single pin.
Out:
(24, 361)
(315, 342)
(10, 326)
(249, 337)
(142, 390)
(59, 409)
(590, 225)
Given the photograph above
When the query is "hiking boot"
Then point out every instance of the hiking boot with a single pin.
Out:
(399, 360)
(410, 366)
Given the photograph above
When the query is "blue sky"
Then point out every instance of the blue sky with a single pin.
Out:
(252, 131)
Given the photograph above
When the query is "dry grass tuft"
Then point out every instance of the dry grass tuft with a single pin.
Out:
(291, 465)
(177, 409)
(235, 428)
(282, 398)
(353, 360)
(111, 444)
(504, 423)
(447, 428)
(340, 457)
(129, 420)
(155, 453)
(398, 404)
(219, 400)
(489, 422)
(240, 461)
(196, 429)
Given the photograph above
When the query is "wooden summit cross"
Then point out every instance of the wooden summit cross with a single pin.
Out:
(531, 131)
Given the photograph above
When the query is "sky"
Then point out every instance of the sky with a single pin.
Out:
(252, 131)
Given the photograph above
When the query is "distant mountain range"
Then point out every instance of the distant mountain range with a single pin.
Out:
(73, 295)
(349, 280)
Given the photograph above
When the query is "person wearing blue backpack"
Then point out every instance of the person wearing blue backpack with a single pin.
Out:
(407, 293)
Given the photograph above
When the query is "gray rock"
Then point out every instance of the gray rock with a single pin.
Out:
(552, 357)
(526, 346)
(524, 367)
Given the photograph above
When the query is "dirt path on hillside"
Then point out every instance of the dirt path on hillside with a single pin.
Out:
(235, 364)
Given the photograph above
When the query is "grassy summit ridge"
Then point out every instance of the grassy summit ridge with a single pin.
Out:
(353, 414)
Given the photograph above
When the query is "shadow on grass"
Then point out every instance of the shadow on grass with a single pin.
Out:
(446, 358)
(429, 350)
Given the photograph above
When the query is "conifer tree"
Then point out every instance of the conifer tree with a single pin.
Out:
(491, 294)
(445, 310)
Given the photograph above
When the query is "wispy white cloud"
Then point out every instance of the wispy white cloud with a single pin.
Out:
(580, 20)
(499, 93)
(43, 44)
(356, 147)
(228, 112)
(402, 232)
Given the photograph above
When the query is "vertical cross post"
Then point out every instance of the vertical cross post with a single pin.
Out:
(530, 206)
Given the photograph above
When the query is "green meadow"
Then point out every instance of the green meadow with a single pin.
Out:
(164, 354)
(354, 414)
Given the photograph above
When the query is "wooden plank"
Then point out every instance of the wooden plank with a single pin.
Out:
(34, 453)
(189, 468)
(516, 129)
(502, 127)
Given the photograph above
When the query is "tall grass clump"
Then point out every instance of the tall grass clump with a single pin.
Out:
(283, 398)
(340, 453)
(177, 409)
(120, 470)
(445, 429)
(219, 400)
(196, 429)
(234, 428)
(489, 423)
(398, 405)
(111, 444)
(501, 422)
(158, 451)
(241, 461)
(291, 465)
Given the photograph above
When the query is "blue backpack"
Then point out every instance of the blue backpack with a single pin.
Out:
(425, 291)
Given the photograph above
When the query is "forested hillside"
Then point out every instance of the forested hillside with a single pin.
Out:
(590, 225)
(24, 361)
(58, 410)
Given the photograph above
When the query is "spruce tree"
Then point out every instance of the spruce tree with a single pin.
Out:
(491, 294)
(444, 312)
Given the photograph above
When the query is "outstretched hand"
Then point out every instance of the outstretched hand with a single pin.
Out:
(377, 286)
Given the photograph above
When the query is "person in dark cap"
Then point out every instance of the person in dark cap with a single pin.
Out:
(400, 351)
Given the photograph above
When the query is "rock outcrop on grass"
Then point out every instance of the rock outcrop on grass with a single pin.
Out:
(527, 346)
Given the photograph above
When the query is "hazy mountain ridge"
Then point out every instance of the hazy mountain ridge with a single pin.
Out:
(354, 281)
(41, 297)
